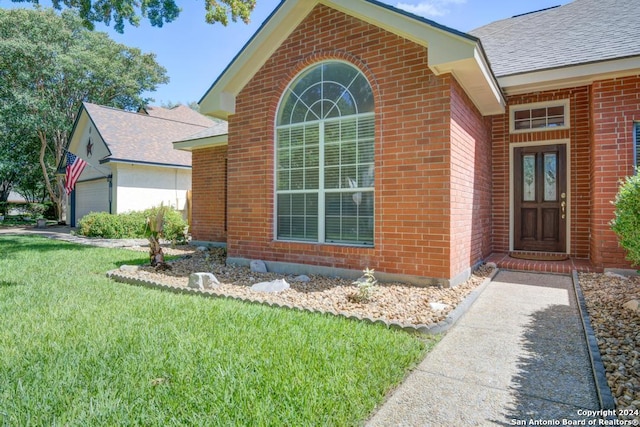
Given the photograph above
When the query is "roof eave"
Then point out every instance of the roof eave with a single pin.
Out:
(145, 163)
(450, 51)
(200, 143)
(569, 76)
(472, 71)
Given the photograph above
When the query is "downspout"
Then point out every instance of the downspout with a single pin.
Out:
(110, 181)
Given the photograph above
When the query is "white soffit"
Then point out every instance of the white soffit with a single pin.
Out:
(448, 52)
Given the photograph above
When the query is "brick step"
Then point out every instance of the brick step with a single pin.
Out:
(545, 264)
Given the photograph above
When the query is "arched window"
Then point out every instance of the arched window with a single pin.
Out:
(325, 157)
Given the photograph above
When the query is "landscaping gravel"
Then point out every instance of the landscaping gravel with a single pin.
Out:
(617, 330)
(391, 302)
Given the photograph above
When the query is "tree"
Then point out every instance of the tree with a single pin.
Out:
(49, 65)
(157, 12)
(18, 161)
(170, 104)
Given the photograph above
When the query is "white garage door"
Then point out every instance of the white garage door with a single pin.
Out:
(92, 196)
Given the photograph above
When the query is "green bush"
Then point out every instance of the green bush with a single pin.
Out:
(37, 210)
(132, 225)
(102, 224)
(626, 223)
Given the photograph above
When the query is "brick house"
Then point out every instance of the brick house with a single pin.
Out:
(360, 135)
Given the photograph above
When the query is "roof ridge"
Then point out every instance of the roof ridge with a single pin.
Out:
(119, 110)
(535, 11)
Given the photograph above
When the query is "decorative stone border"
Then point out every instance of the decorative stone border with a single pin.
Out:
(437, 328)
(602, 387)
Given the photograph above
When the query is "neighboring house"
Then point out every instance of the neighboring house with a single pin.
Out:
(15, 198)
(131, 162)
(360, 135)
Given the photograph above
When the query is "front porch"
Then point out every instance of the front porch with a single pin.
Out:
(542, 262)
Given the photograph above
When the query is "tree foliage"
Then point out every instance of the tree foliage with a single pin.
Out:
(626, 223)
(49, 65)
(157, 12)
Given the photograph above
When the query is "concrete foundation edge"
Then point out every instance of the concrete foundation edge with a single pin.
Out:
(295, 268)
(604, 392)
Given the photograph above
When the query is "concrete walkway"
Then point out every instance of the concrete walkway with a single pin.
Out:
(519, 355)
(62, 232)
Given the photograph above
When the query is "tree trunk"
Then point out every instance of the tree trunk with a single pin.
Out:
(156, 255)
(56, 197)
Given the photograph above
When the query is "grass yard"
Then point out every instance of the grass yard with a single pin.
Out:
(78, 349)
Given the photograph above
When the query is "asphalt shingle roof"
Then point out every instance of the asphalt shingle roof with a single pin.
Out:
(143, 138)
(580, 32)
(180, 113)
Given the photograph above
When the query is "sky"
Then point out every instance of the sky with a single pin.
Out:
(196, 53)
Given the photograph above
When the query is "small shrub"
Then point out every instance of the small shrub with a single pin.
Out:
(50, 212)
(626, 223)
(174, 228)
(366, 286)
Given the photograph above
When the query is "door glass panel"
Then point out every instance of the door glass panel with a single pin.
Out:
(550, 177)
(529, 178)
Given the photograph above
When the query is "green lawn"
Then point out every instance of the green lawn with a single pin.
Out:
(78, 349)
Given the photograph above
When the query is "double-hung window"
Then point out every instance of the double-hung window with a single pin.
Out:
(325, 157)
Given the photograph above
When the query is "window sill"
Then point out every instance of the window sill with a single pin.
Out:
(306, 242)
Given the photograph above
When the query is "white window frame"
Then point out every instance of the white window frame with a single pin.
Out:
(536, 105)
(321, 191)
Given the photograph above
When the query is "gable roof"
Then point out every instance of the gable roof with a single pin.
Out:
(179, 113)
(449, 51)
(140, 138)
(588, 36)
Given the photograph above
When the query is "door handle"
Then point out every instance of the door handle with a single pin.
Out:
(563, 206)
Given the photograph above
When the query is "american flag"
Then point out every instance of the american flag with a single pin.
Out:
(75, 166)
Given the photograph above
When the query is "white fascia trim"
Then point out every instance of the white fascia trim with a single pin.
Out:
(475, 77)
(116, 162)
(572, 76)
(446, 52)
(220, 100)
(197, 144)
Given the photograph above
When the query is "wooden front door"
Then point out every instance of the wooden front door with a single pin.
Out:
(540, 198)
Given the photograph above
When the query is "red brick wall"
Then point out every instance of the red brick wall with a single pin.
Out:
(579, 180)
(470, 183)
(412, 191)
(209, 167)
(615, 106)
